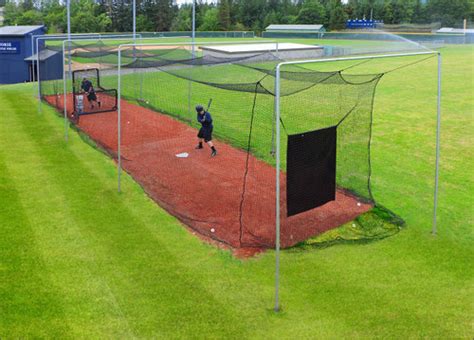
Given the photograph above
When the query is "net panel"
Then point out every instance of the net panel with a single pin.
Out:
(231, 197)
(88, 94)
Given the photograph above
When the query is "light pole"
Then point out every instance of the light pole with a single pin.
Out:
(134, 11)
(193, 34)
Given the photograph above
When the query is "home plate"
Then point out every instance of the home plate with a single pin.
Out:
(182, 155)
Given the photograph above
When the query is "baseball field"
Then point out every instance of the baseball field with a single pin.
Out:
(78, 259)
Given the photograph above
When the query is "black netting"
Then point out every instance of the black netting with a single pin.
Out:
(231, 197)
(89, 96)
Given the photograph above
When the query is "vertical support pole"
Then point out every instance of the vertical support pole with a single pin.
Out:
(277, 184)
(193, 33)
(119, 112)
(438, 131)
(69, 36)
(134, 14)
(134, 38)
(272, 151)
(33, 59)
(66, 122)
(38, 71)
(464, 26)
(193, 37)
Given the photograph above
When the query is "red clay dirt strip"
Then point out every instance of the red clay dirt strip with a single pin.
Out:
(205, 193)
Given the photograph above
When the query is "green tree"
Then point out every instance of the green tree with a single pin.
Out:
(402, 11)
(144, 24)
(238, 26)
(182, 21)
(224, 15)
(351, 9)
(163, 15)
(312, 12)
(271, 18)
(449, 12)
(210, 20)
(419, 13)
(337, 16)
(86, 23)
(30, 17)
(27, 5)
(120, 16)
(388, 13)
(84, 18)
(54, 16)
(251, 13)
(288, 19)
(11, 13)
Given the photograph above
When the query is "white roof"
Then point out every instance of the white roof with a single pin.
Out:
(18, 30)
(44, 54)
(294, 27)
(455, 30)
(243, 48)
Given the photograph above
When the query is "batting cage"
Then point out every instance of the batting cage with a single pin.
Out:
(226, 173)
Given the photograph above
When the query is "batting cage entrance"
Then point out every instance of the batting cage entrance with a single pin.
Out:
(313, 167)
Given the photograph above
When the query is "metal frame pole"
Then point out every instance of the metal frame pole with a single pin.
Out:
(38, 77)
(119, 113)
(193, 33)
(193, 39)
(438, 132)
(66, 122)
(134, 14)
(33, 59)
(277, 190)
(68, 12)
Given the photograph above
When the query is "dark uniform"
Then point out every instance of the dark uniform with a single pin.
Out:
(87, 87)
(205, 132)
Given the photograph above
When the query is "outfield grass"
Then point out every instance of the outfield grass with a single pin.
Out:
(78, 259)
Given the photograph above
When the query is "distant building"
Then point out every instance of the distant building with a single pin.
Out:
(293, 30)
(362, 23)
(466, 35)
(16, 56)
(450, 30)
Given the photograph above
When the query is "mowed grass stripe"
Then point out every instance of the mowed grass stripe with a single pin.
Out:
(127, 256)
(28, 302)
(69, 262)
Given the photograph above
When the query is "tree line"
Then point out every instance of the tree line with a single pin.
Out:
(225, 15)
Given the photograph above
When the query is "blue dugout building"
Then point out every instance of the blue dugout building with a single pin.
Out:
(16, 56)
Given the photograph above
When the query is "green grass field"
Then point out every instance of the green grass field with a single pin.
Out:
(79, 260)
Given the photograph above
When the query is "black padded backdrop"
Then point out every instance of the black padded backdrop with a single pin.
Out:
(311, 170)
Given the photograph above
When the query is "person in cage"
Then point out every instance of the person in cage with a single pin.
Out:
(205, 132)
(88, 89)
